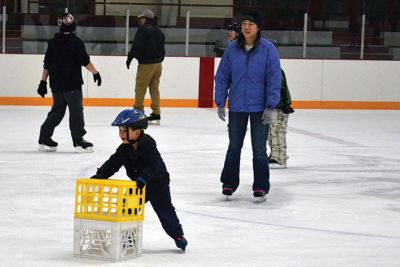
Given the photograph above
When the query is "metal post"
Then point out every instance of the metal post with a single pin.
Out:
(187, 32)
(127, 32)
(3, 50)
(362, 37)
(305, 35)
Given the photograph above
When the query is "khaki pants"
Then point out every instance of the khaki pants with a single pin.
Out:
(277, 136)
(148, 75)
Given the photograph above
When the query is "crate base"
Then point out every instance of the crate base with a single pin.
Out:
(107, 240)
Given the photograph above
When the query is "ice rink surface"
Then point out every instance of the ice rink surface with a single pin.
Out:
(337, 203)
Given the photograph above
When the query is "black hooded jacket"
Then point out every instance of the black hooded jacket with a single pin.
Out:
(148, 45)
(145, 162)
(64, 58)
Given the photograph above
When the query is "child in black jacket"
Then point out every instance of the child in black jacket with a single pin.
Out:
(139, 155)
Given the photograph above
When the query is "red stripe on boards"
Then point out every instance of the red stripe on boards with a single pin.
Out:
(206, 82)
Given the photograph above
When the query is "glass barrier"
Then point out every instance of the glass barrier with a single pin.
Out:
(330, 29)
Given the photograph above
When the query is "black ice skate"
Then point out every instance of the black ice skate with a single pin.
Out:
(227, 192)
(154, 119)
(259, 195)
(47, 145)
(181, 242)
(83, 146)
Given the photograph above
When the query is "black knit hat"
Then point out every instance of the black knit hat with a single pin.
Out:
(253, 16)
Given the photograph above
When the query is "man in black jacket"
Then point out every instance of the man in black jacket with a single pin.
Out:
(148, 49)
(139, 155)
(63, 61)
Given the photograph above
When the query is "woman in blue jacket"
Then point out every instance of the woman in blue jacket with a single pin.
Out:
(249, 77)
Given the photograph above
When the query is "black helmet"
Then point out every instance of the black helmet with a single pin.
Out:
(234, 27)
(131, 118)
(66, 22)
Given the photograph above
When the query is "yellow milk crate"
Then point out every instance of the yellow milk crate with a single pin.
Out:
(109, 200)
(108, 221)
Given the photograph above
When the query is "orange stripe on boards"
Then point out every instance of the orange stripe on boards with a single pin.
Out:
(128, 102)
(26, 101)
(192, 103)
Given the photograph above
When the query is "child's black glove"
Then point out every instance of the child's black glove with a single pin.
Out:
(97, 78)
(140, 182)
(97, 176)
(42, 90)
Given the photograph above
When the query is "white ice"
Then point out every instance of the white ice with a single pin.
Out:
(337, 203)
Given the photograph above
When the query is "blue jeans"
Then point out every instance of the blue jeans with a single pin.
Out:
(259, 135)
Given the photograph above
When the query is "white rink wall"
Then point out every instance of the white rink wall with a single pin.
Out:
(20, 76)
(309, 80)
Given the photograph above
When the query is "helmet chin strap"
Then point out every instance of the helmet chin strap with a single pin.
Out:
(132, 141)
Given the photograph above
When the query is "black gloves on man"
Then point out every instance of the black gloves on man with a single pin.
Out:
(97, 78)
(42, 90)
(128, 61)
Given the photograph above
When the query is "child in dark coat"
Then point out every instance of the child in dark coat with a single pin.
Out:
(139, 155)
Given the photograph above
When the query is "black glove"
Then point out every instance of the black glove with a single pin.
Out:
(98, 176)
(42, 90)
(287, 110)
(97, 78)
(140, 182)
(128, 63)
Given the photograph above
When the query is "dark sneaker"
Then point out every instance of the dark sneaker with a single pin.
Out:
(47, 145)
(259, 195)
(273, 164)
(154, 119)
(181, 242)
(83, 146)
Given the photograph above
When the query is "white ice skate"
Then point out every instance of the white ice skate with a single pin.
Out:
(273, 164)
(79, 149)
(259, 196)
(44, 148)
(47, 145)
(83, 146)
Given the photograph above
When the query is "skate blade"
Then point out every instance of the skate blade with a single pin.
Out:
(44, 148)
(79, 149)
(155, 122)
(277, 166)
(260, 199)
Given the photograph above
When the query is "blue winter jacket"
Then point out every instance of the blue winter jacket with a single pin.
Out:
(250, 80)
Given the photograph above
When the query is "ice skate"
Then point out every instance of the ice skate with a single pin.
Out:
(154, 119)
(181, 242)
(47, 145)
(227, 192)
(82, 146)
(273, 164)
(259, 195)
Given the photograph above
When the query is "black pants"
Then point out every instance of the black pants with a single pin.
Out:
(162, 205)
(72, 99)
